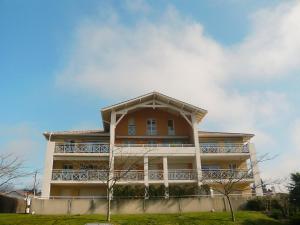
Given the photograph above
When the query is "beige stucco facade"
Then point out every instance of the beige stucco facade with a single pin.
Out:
(156, 140)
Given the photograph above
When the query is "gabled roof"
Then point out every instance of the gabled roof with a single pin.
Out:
(106, 111)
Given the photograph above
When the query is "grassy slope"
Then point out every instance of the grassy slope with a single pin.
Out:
(204, 218)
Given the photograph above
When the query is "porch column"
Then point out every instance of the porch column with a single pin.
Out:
(197, 149)
(112, 146)
(48, 169)
(146, 176)
(166, 176)
(255, 170)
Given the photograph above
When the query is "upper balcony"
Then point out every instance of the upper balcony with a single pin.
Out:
(86, 147)
(155, 149)
(229, 150)
(207, 150)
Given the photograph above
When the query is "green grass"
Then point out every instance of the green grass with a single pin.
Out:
(201, 218)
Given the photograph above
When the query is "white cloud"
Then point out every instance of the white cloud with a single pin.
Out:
(287, 162)
(273, 47)
(21, 140)
(176, 57)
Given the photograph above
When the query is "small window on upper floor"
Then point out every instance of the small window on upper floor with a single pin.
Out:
(131, 126)
(67, 167)
(151, 127)
(171, 128)
(232, 166)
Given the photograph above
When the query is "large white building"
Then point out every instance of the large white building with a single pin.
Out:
(159, 136)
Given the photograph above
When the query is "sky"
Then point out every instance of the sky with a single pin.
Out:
(62, 61)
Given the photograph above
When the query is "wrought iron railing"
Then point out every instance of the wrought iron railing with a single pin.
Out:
(79, 175)
(156, 174)
(220, 174)
(224, 148)
(81, 148)
(182, 174)
(132, 175)
(155, 145)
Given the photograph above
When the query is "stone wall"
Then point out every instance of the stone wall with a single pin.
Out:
(135, 206)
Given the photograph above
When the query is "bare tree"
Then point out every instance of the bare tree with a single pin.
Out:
(110, 177)
(11, 169)
(229, 181)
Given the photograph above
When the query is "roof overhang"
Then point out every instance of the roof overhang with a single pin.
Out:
(208, 134)
(75, 133)
(173, 104)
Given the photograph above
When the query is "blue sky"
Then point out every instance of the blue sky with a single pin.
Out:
(61, 61)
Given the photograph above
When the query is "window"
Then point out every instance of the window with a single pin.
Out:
(151, 127)
(67, 167)
(232, 166)
(131, 127)
(171, 129)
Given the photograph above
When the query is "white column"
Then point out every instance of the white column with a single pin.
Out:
(146, 176)
(255, 170)
(211, 192)
(197, 149)
(166, 176)
(48, 169)
(112, 146)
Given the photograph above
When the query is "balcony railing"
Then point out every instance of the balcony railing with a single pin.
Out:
(156, 174)
(82, 148)
(225, 148)
(138, 175)
(79, 175)
(132, 175)
(220, 174)
(182, 174)
(155, 145)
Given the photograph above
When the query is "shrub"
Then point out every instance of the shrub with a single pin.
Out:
(156, 191)
(128, 191)
(256, 204)
(276, 214)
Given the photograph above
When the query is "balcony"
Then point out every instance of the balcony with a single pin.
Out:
(182, 174)
(153, 175)
(132, 175)
(221, 174)
(225, 148)
(79, 175)
(156, 175)
(81, 148)
(155, 145)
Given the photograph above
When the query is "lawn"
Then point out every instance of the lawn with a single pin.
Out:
(203, 218)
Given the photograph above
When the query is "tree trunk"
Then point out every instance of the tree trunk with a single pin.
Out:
(108, 205)
(231, 210)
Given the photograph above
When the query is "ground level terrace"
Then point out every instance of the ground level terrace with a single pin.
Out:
(99, 191)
